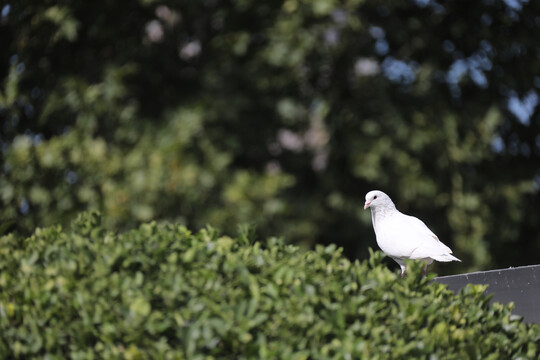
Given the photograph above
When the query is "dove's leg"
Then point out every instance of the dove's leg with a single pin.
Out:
(428, 262)
(401, 265)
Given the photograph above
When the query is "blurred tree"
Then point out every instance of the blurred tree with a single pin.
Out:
(282, 113)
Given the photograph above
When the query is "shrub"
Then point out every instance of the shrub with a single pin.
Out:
(162, 292)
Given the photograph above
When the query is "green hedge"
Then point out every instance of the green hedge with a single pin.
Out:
(162, 292)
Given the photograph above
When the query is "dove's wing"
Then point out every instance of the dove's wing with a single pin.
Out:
(430, 246)
(404, 236)
(430, 238)
(398, 237)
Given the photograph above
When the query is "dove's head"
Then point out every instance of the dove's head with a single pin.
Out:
(377, 198)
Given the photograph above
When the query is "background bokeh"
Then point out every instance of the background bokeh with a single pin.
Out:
(281, 114)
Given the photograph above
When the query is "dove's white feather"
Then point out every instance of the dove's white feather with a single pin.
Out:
(392, 227)
(402, 236)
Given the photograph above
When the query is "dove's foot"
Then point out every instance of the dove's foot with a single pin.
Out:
(403, 273)
(424, 272)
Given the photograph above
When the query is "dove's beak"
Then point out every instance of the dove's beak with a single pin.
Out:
(366, 205)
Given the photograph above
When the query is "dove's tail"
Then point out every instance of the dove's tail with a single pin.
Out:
(445, 258)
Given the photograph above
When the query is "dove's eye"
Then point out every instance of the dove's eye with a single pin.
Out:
(374, 197)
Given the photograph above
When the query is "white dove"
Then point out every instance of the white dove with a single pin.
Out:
(402, 236)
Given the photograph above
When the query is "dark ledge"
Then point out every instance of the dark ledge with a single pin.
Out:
(520, 285)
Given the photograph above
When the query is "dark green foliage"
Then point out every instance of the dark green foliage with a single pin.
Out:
(279, 112)
(162, 292)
